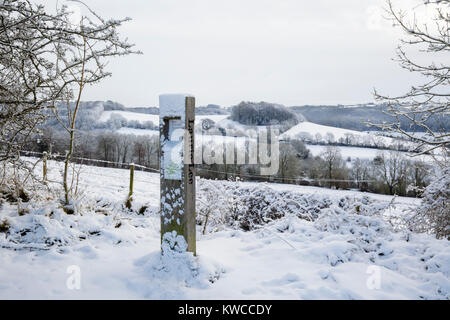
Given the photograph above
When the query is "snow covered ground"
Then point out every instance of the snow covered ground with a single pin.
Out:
(348, 251)
(143, 117)
(363, 153)
(320, 132)
(302, 128)
(138, 132)
(313, 129)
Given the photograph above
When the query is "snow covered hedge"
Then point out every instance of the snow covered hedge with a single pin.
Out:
(250, 206)
(433, 216)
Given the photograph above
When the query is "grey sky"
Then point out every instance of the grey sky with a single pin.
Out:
(286, 51)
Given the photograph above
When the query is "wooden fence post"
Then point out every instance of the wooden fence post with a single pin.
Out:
(177, 183)
(44, 167)
(130, 194)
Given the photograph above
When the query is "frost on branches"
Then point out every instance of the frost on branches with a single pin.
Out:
(433, 216)
(250, 206)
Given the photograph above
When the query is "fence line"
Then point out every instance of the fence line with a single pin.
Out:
(267, 178)
(287, 179)
(92, 160)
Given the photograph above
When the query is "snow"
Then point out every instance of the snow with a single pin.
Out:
(214, 117)
(342, 254)
(313, 129)
(138, 132)
(171, 105)
(154, 118)
(141, 117)
(210, 140)
(364, 153)
(352, 152)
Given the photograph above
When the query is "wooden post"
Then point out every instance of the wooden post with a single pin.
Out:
(177, 120)
(44, 167)
(130, 193)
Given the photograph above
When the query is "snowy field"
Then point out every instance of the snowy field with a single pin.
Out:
(143, 117)
(302, 128)
(341, 253)
(315, 130)
(138, 132)
(140, 117)
(364, 153)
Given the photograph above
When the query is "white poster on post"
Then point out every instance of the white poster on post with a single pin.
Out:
(173, 151)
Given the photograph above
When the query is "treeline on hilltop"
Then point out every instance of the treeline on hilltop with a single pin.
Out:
(264, 114)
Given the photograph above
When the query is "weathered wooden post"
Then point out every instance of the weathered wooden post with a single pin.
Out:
(176, 124)
(130, 193)
(44, 167)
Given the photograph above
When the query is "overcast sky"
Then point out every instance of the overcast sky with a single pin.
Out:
(293, 52)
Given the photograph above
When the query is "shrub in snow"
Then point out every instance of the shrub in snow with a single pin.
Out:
(364, 229)
(250, 206)
(4, 226)
(433, 215)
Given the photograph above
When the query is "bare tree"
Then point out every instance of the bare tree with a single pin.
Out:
(430, 99)
(26, 73)
(360, 173)
(333, 162)
(433, 214)
(391, 169)
(80, 60)
(288, 162)
(47, 59)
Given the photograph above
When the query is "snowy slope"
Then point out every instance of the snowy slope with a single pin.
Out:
(363, 153)
(300, 129)
(336, 256)
(138, 132)
(142, 117)
(313, 129)
(338, 133)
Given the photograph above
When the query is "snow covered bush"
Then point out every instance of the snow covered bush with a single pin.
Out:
(249, 206)
(433, 215)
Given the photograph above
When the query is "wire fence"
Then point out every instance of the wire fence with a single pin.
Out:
(265, 178)
(81, 159)
(269, 178)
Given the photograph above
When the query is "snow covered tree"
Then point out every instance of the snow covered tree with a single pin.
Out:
(430, 99)
(81, 61)
(26, 73)
(46, 59)
(423, 102)
(433, 215)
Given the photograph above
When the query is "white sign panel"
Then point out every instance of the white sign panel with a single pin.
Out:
(173, 151)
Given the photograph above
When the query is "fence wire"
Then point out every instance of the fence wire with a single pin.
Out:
(264, 177)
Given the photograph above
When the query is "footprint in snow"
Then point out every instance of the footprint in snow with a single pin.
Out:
(88, 252)
(252, 247)
(287, 279)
